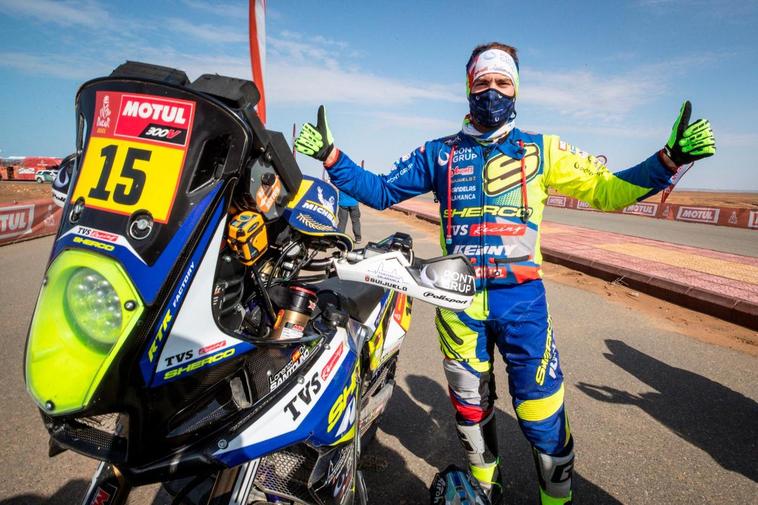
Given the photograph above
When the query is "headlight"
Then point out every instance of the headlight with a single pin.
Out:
(86, 310)
(93, 307)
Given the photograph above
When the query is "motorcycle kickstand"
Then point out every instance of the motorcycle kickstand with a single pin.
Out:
(108, 486)
(360, 488)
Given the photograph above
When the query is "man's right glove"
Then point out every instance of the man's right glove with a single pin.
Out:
(316, 141)
(690, 142)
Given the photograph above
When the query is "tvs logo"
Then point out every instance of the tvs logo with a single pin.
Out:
(642, 209)
(502, 173)
(698, 214)
(96, 234)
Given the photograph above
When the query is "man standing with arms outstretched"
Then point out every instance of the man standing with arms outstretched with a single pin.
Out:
(492, 181)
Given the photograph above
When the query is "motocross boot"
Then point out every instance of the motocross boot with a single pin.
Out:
(480, 442)
(555, 476)
(490, 480)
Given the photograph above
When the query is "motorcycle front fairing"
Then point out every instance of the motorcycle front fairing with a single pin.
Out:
(160, 161)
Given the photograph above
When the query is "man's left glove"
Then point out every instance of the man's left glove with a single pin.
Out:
(316, 141)
(689, 142)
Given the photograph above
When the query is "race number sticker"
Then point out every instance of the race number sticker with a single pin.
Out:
(135, 154)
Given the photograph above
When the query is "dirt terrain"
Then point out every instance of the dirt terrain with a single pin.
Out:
(14, 192)
(738, 200)
(711, 199)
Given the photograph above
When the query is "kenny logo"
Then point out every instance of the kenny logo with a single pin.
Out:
(475, 250)
(305, 396)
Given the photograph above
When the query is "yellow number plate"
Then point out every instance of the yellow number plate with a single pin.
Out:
(155, 194)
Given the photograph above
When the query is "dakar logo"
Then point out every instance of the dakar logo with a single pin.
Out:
(502, 173)
(104, 116)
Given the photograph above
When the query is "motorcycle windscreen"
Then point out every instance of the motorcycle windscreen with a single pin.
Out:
(154, 156)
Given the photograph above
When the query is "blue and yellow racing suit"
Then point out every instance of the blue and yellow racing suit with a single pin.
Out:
(491, 199)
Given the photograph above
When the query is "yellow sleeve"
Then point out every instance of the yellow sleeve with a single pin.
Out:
(578, 174)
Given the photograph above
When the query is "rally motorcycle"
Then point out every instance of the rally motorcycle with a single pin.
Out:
(202, 323)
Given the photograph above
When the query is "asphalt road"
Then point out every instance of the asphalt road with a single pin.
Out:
(719, 238)
(659, 418)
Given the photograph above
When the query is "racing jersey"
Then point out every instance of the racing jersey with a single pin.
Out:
(492, 196)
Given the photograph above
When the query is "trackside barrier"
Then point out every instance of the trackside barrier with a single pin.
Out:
(28, 219)
(722, 216)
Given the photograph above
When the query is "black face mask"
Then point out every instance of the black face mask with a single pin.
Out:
(490, 108)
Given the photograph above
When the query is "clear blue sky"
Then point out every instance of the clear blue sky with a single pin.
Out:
(608, 77)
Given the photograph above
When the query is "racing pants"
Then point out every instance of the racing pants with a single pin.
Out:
(514, 319)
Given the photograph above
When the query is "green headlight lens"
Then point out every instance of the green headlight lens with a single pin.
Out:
(78, 327)
(94, 308)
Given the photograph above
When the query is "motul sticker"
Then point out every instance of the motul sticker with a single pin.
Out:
(642, 209)
(583, 205)
(16, 220)
(752, 221)
(556, 201)
(154, 118)
(698, 214)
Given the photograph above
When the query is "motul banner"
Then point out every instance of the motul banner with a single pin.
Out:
(642, 209)
(698, 214)
(556, 200)
(722, 216)
(29, 219)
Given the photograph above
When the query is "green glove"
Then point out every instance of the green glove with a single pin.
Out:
(690, 142)
(316, 141)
